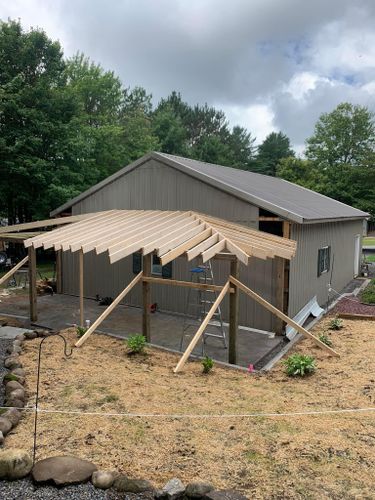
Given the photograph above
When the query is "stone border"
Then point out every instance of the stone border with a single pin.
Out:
(17, 464)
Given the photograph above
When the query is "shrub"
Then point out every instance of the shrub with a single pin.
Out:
(368, 294)
(336, 324)
(81, 330)
(323, 337)
(207, 364)
(136, 343)
(299, 365)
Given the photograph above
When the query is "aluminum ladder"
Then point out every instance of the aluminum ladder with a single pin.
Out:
(199, 302)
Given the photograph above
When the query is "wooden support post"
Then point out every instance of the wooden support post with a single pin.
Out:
(81, 312)
(32, 284)
(233, 314)
(202, 328)
(281, 284)
(281, 315)
(146, 298)
(109, 309)
(59, 271)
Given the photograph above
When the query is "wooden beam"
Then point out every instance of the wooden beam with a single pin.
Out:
(194, 252)
(59, 271)
(181, 249)
(185, 284)
(13, 270)
(202, 328)
(146, 297)
(81, 312)
(32, 285)
(45, 223)
(279, 266)
(210, 252)
(281, 315)
(233, 315)
(108, 311)
(264, 218)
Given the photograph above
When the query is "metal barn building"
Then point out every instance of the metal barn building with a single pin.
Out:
(328, 234)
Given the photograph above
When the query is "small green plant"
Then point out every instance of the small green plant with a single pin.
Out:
(323, 337)
(368, 294)
(336, 324)
(136, 344)
(10, 376)
(207, 364)
(299, 365)
(81, 330)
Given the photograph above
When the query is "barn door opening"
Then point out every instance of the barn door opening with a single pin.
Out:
(357, 250)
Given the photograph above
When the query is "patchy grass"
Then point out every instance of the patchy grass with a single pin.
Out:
(369, 258)
(368, 294)
(369, 241)
(298, 456)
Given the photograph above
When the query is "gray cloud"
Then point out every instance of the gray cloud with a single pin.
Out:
(238, 55)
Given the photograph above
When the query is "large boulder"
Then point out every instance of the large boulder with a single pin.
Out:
(198, 489)
(225, 495)
(63, 470)
(102, 479)
(19, 372)
(5, 425)
(17, 394)
(12, 362)
(127, 485)
(14, 463)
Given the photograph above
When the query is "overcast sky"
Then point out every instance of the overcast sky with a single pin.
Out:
(269, 64)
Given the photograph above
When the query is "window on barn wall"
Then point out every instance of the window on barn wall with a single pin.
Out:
(324, 260)
(157, 269)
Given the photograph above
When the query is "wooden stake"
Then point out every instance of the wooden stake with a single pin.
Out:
(281, 315)
(146, 298)
(81, 312)
(233, 315)
(202, 328)
(109, 309)
(13, 270)
(32, 285)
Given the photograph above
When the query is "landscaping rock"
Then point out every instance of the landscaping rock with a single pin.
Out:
(13, 415)
(44, 333)
(124, 484)
(12, 362)
(14, 463)
(1, 439)
(17, 343)
(16, 350)
(102, 479)
(174, 489)
(11, 376)
(63, 470)
(21, 337)
(19, 372)
(17, 394)
(11, 386)
(14, 403)
(225, 495)
(30, 335)
(5, 425)
(198, 490)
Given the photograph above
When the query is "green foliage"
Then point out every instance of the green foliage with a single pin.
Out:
(275, 147)
(299, 365)
(323, 337)
(207, 364)
(336, 324)
(80, 330)
(10, 376)
(136, 343)
(368, 294)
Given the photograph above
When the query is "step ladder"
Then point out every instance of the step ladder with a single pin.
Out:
(199, 302)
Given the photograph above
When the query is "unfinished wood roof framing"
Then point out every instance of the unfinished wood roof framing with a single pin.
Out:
(169, 234)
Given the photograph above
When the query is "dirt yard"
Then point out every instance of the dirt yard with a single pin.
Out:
(320, 456)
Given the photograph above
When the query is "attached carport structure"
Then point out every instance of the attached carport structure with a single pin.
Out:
(169, 234)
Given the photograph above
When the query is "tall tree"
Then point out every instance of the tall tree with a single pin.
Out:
(273, 149)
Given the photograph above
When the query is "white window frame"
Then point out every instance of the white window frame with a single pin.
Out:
(327, 259)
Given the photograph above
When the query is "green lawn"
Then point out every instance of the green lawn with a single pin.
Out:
(369, 241)
(370, 258)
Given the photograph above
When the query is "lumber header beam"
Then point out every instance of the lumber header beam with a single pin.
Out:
(45, 223)
(281, 315)
(186, 284)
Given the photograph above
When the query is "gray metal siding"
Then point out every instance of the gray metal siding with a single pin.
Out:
(154, 185)
(304, 282)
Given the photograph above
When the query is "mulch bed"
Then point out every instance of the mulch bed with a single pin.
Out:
(353, 305)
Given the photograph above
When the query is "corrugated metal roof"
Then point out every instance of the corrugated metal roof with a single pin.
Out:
(281, 197)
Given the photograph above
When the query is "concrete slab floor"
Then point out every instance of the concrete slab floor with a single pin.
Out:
(59, 311)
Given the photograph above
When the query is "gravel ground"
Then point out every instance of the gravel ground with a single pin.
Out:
(353, 305)
(4, 344)
(24, 489)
